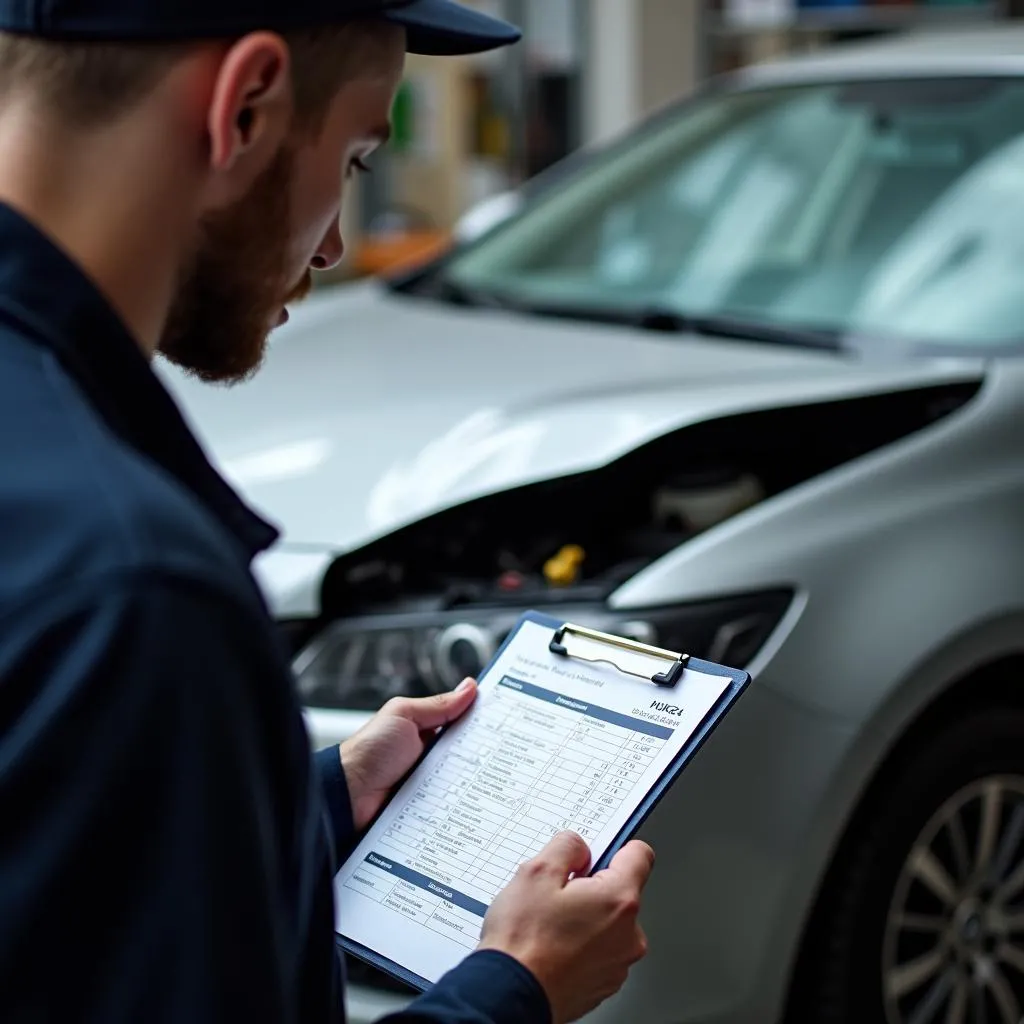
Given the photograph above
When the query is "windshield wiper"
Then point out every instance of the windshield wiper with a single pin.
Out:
(648, 318)
(672, 321)
(737, 328)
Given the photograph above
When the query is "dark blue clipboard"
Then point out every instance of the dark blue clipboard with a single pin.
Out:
(738, 683)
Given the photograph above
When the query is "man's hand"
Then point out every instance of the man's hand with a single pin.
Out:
(380, 754)
(579, 936)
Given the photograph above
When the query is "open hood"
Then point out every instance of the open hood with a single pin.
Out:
(374, 410)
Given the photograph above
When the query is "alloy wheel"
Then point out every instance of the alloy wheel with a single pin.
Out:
(953, 950)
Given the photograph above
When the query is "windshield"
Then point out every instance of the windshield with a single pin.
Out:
(879, 209)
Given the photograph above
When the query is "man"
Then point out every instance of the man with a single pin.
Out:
(170, 172)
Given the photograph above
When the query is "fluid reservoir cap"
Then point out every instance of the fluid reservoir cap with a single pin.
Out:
(511, 581)
(564, 569)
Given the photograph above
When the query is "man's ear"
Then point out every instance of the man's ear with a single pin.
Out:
(249, 114)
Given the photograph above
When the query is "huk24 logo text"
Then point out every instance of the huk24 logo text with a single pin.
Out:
(668, 709)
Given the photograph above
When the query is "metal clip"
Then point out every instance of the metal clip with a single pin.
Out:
(668, 678)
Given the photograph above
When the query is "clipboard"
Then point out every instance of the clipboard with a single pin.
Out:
(669, 671)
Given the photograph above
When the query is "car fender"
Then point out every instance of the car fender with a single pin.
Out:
(846, 674)
(862, 762)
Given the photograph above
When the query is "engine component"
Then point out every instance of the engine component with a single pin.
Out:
(564, 569)
(693, 503)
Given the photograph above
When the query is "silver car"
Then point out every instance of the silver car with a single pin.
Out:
(748, 384)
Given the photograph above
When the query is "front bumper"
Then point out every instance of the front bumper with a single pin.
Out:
(329, 728)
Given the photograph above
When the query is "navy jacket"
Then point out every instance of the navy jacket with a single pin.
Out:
(167, 839)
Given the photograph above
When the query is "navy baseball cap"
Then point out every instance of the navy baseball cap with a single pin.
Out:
(437, 27)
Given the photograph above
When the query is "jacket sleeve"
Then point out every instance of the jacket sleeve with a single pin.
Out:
(486, 988)
(148, 850)
(339, 803)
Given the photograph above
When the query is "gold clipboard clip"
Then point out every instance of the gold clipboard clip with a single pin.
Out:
(668, 678)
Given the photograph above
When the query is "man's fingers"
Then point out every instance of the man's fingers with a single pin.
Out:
(428, 713)
(567, 854)
(634, 863)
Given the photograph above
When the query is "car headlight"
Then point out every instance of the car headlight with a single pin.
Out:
(359, 663)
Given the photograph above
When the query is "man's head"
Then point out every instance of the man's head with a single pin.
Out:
(267, 127)
(256, 250)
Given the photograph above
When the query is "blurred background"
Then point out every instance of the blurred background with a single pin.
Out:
(469, 130)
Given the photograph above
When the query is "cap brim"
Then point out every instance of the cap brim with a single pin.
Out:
(443, 28)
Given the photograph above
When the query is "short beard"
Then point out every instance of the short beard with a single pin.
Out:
(232, 290)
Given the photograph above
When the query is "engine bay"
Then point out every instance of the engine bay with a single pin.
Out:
(581, 537)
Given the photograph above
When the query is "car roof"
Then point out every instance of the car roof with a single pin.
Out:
(974, 50)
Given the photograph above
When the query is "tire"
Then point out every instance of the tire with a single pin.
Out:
(913, 925)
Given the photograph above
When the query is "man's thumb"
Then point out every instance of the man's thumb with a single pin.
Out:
(567, 854)
(433, 712)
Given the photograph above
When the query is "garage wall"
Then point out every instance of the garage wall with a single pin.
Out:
(642, 54)
(669, 42)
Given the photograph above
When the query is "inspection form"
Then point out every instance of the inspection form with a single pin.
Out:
(551, 744)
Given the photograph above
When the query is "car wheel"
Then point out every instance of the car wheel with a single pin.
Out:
(922, 920)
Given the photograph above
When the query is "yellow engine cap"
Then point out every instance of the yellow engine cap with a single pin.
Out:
(564, 569)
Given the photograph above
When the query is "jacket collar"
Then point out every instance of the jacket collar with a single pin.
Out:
(60, 308)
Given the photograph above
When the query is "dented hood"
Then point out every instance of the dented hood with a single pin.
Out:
(375, 410)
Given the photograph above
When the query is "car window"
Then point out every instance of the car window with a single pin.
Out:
(889, 209)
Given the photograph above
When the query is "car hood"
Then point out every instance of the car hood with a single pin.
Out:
(374, 410)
